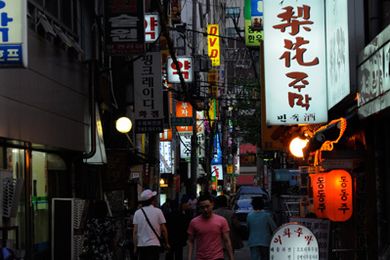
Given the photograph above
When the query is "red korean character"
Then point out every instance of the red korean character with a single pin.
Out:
(291, 20)
(299, 77)
(300, 102)
(299, 52)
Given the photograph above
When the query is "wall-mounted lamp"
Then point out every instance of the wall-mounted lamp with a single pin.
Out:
(297, 145)
(123, 125)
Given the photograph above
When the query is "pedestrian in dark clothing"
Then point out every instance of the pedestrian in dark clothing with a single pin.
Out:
(222, 209)
(177, 223)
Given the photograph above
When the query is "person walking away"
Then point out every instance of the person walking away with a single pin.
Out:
(260, 227)
(177, 223)
(222, 209)
(207, 231)
(146, 219)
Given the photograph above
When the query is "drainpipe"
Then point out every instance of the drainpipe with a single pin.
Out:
(92, 75)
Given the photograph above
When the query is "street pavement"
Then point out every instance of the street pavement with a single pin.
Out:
(240, 254)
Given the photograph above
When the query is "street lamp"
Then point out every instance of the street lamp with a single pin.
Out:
(296, 146)
(123, 125)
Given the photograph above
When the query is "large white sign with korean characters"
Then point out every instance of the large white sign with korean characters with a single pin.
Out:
(295, 75)
(13, 33)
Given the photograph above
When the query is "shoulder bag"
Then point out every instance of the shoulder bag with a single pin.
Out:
(160, 239)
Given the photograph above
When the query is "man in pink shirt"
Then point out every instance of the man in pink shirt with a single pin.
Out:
(208, 230)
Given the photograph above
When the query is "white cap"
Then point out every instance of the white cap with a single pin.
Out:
(147, 195)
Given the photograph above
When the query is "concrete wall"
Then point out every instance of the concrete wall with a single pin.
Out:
(47, 103)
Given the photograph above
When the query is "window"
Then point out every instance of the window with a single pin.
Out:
(62, 12)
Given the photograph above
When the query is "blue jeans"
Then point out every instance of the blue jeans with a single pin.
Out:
(259, 252)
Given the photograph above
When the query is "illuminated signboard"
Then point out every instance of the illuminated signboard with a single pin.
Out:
(295, 75)
(294, 241)
(13, 33)
(165, 157)
(152, 29)
(337, 45)
(185, 67)
(213, 44)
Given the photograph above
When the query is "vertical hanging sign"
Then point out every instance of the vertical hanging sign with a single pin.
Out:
(13, 33)
(295, 55)
(213, 44)
(185, 67)
(252, 36)
(125, 27)
(148, 103)
(152, 29)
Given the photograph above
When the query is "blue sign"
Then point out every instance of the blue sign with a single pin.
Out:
(11, 54)
(13, 33)
(256, 7)
(217, 151)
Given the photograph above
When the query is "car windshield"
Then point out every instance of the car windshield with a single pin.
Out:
(244, 204)
(249, 196)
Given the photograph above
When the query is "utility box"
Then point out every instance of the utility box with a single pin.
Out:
(67, 214)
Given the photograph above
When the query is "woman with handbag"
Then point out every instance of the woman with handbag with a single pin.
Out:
(149, 232)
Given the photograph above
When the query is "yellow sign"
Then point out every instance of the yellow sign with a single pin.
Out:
(229, 169)
(213, 44)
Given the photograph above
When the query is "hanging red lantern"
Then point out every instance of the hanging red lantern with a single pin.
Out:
(340, 195)
(332, 195)
(320, 199)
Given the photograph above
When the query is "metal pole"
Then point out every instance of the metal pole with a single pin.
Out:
(194, 144)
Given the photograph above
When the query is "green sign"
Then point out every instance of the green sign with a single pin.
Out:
(252, 38)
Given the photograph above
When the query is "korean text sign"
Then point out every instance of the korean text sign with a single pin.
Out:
(214, 51)
(185, 67)
(152, 29)
(125, 27)
(293, 241)
(148, 93)
(332, 195)
(13, 33)
(294, 51)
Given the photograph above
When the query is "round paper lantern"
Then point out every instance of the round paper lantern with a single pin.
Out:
(339, 190)
(332, 195)
(320, 199)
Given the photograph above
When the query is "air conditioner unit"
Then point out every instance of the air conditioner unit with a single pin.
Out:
(67, 215)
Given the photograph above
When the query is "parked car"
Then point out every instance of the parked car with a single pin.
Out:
(252, 190)
(242, 204)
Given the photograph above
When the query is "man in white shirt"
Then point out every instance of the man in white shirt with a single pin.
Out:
(146, 241)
